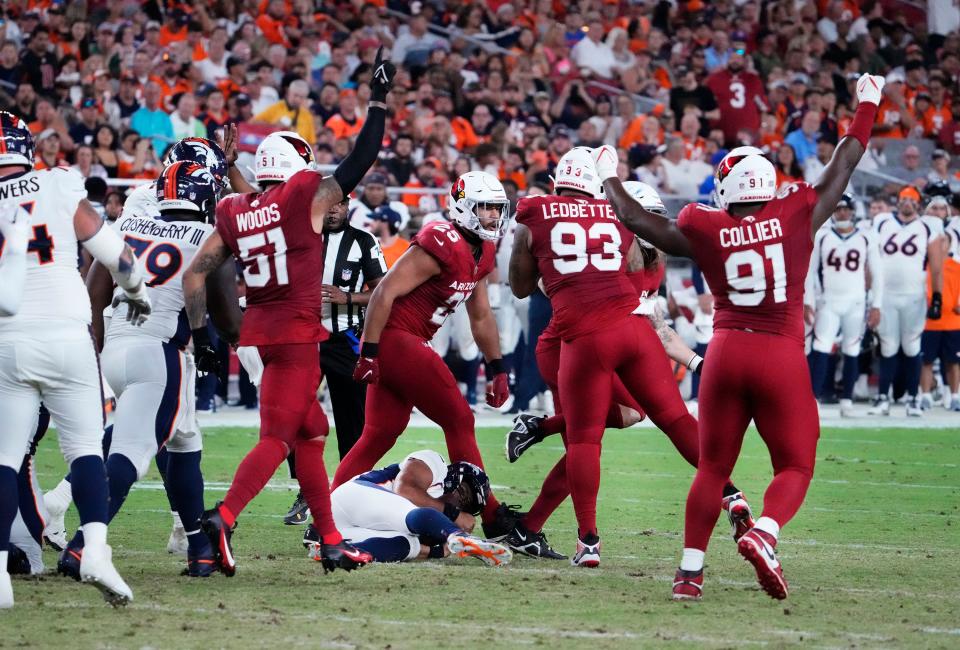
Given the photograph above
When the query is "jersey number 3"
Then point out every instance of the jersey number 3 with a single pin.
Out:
(749, 290)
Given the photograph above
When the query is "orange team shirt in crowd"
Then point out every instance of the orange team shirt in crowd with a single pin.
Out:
(38, 163)
(889, 116)
(464, 133)
(949, 320)
(167, 91)
(695, 149)
(784, 179)
(342, 128)
(272, 30)
(934, 118)
(910, 94)
(168, 36)
(517, 176)
(393, 252)
(125, 170)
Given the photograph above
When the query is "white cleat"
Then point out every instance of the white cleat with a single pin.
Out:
(96, 568)
(846, 409)
(177, 544)
(490, 553)
(914, 409)
(6, 591)
(955, 404)
(881, 406)
(55, 530)
(926, 401)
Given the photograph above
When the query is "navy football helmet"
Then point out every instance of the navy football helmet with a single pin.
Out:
(202, 151)
(16, 142)
(472, 483)
(190, 187)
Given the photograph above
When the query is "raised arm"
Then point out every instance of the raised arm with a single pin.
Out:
(365, 150)
(14, 235)
(523, 273)
(208, 259)
(659, 231)
(483, 325)
(227, 139)
(836, 175)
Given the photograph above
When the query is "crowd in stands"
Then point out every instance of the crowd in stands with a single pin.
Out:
(503, 86)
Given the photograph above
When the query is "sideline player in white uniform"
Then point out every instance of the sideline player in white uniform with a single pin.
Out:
(46, 352)
(908, 245)
(837, 281)
(14, 234)
(147, 367)
(418, 508)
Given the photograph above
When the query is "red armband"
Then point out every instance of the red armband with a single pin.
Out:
(862, 124)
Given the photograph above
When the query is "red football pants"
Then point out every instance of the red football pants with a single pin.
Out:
(764, 377)
(290, 418)
(411, 375)
(631, 351)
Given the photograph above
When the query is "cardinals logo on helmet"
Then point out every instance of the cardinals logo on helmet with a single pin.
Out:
(458, 191)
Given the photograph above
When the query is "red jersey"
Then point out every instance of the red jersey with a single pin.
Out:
(755, 266)
(581, 250)
(741, 100)
(422, 311)
(272, 236)
(647, 282)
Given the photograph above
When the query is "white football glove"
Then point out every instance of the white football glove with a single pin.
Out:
(870, 88)
(605, 159)
(15, 226)
(138, 304)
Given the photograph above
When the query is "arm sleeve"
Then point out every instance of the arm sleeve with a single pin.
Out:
(364, 153)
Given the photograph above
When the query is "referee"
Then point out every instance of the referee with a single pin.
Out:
(353, 265)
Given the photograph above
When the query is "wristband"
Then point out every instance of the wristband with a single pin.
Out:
(495, 366)
(369, 350)
(451, 511)
(201, 336)
(374, 103)
(862, 124)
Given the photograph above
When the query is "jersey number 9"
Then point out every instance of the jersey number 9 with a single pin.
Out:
(161, 259)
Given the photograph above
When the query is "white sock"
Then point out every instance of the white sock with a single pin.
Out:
(769, 526)
(59, 498)
(94, 533)
(176, 519)
(3, 561)
(692, 560)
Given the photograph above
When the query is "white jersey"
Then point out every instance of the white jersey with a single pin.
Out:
(165, 250)
(903, 252)
(952, 232)
(386, 476)
(142, 201)
(839, 264)
(54, 293)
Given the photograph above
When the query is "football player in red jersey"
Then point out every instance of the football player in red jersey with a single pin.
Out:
(658, 395)
(576, 244)
(276, 236)
(753, 251)
(446, 265)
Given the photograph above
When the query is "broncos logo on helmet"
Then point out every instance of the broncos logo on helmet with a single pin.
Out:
(16, 142)
(472, 484)
(203, 152)
(189, 187)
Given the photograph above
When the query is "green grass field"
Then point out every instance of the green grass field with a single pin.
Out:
(872, 561)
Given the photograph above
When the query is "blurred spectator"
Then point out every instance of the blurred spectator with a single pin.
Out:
(694, 145)
(85, 130)
(292, 112)
(893, 118)
(113, 206)
(86, 163)
(215, 115)
(38, 63)
(788, 170)
(374, 196)
(814, 166)
(739, 94)
(151, 121)
(10, 70)
(137, 157)
(594, 55)
(804, 140)
(940, 170)
(949, 138)
(910, 168)
(385, 226)
(48, 153)
(690, 94)
(413, 46)
(718, 54)
(213, 67)
(48, 118)
(183, 119)
(682, 176)
(347, 122)
(121, 108)
(105, 150)
(400, 161)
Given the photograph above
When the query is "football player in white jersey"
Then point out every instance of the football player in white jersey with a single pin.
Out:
(837, 280)
(908, 246)
(147, 367)
(14, 234)
(418, 508)
(46, 352)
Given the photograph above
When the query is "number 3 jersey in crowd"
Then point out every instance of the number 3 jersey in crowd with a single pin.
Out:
(756, 266)
(581, 251)
(903, 252)
(271, 234)
(422, 311)
(165, 250)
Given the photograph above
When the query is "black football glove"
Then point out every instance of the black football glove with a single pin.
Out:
(203, 353)
(384, 73)
(936, 305)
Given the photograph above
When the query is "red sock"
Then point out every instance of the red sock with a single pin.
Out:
(553, 424)
(683, 434)
(252, 474)
(552, 494)
(583, 477)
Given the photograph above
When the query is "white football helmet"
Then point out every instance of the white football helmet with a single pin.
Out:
(649, 200)
(745, 175)
(577, 171)
(473, 189)
(281, 155)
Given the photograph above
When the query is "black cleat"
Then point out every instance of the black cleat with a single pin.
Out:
(69, 563)
(219, 535)
(507, 518)
(340, 556)
(17, 562)
(202, 564)
(521, 540)
(311, 538)
(299, 512)
(525, 434)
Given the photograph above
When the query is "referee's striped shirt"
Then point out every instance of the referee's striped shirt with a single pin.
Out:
(352, 258)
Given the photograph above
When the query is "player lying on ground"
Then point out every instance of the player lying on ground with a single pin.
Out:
(446, 265)
(277, 236)
(419, 508)
(754, 251)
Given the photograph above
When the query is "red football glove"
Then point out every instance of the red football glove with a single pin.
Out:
(367, 370)
(498, 390)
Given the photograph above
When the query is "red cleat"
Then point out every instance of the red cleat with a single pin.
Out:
(688, 585)
(757, 548)
(738, 514)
